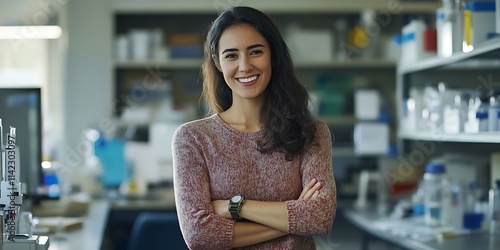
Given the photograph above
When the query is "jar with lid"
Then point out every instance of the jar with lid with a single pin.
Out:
(435, 193)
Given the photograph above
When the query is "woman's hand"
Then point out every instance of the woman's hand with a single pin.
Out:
(311, 190)
(221, 207)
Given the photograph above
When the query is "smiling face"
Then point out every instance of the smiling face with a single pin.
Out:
(245, 61)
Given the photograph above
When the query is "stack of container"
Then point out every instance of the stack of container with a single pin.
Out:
(462, 24)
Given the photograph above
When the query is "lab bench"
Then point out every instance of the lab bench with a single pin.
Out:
(107, 223)
(366, 220)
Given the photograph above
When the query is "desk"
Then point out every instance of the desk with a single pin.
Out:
(364, 218)
(96, 224)
(90, 236)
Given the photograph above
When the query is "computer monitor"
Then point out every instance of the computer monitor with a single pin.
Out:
(21, 108)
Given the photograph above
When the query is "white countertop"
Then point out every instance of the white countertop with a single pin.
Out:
(90, 236)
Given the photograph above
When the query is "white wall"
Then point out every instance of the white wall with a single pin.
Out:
(88, 75)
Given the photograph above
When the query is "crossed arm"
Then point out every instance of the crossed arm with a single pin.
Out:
(268, 220)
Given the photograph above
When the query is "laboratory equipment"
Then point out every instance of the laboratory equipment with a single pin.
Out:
(435, 191)
(22, 108)
(11, 199)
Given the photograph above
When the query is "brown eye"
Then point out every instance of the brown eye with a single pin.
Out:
(256, 52)
(230, 56)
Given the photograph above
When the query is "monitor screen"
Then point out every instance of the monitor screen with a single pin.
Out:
(21, 108)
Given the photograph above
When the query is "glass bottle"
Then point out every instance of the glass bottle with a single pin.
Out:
(435, 187)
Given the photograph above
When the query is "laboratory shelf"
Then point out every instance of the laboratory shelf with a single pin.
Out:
(338, 120)
(354, 64)
(487, 55)
(387, 8)
(196, 64)
(172, 64)
(484, 137)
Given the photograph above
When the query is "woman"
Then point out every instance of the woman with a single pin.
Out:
(257, 173)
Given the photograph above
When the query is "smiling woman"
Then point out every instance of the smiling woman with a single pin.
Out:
(245, 62)
(257, 172)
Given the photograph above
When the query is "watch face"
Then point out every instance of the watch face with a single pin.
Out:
(236, 198)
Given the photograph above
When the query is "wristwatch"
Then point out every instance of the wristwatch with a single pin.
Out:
(235, 204)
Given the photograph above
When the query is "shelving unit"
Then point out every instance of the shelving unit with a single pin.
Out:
(477, 69)
(485, 137)
(315, 13)
(390, 7)
(196, 64)
(485, 55)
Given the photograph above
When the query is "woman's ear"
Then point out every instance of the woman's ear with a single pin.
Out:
(216, 62)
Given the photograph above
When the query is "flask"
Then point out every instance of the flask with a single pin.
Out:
(434, 189)
(494, 208)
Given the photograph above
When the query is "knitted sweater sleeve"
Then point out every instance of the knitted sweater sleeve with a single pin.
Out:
(200, 226)
(315, 217)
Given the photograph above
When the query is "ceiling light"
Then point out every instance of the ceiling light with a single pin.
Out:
(30, 32)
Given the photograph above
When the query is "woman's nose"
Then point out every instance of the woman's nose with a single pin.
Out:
(245, 64)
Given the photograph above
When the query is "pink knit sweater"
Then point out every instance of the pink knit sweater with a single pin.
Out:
(213, 161)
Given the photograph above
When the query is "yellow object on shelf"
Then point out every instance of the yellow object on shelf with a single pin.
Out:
(468, 27)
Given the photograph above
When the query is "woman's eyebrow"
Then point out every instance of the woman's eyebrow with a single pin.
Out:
(248, 48)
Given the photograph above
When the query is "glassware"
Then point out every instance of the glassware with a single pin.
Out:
(434, 184)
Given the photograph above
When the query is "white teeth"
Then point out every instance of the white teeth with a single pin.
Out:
(247, 79)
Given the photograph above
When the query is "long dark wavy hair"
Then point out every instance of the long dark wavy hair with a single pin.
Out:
(287, 122)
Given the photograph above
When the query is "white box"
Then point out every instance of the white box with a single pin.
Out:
(462, 168)
(153, 161)
(310, 45)
(367, 104)
(371, 138)
(479, 22)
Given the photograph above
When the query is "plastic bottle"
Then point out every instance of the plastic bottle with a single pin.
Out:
(435, 189)
(494, 208)
(433, 102)
(493, 111)
(413, 42)
(482, 114)
(449, 24)
(452, 119)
